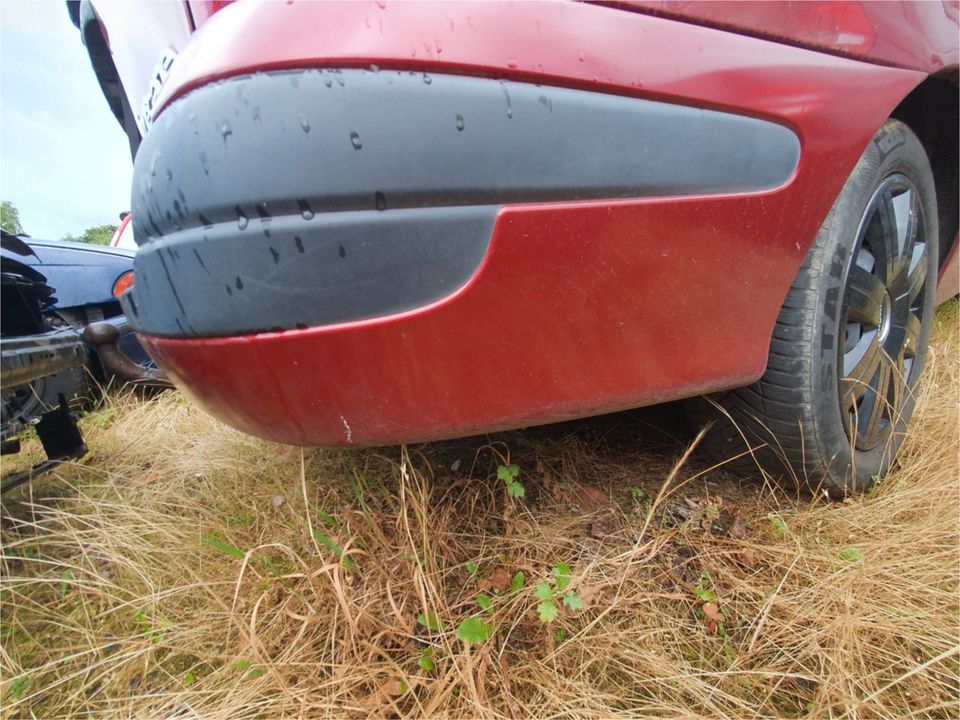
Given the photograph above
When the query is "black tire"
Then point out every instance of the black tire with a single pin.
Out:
(849, 343)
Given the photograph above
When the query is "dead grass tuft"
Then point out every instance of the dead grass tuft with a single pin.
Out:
(186, 570)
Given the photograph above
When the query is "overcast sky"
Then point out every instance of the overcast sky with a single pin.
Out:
(64, 161)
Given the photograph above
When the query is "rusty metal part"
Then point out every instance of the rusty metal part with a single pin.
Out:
(29, 358)
(62, 440)
(104, 336)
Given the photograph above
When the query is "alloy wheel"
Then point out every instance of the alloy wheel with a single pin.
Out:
(882, 312)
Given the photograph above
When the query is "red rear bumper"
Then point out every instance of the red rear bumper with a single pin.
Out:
(576, 310)
(577, 307)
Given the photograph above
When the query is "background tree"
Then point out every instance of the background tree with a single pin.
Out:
(10, 218)
(99, 235)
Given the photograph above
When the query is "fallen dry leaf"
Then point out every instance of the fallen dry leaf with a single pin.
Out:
(145, 479)
(499, 579)
(546, 477)
(689, 508)
(482, 676)
(804, 683)
(590, 594)
(604, 526)
(712, 612)
(516, 712)
(586, 498)
(392, 688)
(738, 528)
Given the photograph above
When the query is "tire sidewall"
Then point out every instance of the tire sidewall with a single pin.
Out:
(894, 149)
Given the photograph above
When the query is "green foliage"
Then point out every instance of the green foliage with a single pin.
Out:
(704, 588)
(425, 661)
(332, 546)
(573, 601)
(18, 687)
(430, 620)
(508, 475)
(246, 665)
(547, 610)
(777, 524)
(705, 595)
(97, 235)
(472, 567)
(10, 218)
(485, 603)
(189, 679)
(329, 520)
(548, 594)
(517, 583)
(66, 579)
(642, 499)
(271, 567)
(224, 547)
(851, 554)
(560, 634)
(473, 630)
(153, 631)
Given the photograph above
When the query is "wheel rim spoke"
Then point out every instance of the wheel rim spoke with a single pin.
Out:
(883, 239)
(904, 224)
(860, 378)
(874, 408)
(917, 270)
(864, 297)
(911, 336)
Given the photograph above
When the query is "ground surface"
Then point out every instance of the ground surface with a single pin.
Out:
(186, 570)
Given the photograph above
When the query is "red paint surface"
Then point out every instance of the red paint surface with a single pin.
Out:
(203, 10)
(578, 308)
(918, 35)
(121, 229)
(559, 43)
(948, 282)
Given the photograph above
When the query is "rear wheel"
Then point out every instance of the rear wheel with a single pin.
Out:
(849, 344)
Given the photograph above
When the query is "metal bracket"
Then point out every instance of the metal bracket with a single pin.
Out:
(62, 440)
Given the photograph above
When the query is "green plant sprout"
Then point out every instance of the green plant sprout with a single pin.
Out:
(425, 661)
(549, 592)
(473, 630)
(508, 474)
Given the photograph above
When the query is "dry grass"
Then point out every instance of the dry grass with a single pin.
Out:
(114, 605)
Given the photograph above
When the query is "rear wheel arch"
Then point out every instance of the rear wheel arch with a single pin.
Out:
(830, 412)
(932, 112)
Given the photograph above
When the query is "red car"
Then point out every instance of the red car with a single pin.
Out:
(373, 223)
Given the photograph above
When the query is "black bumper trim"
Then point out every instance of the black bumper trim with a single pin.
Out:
(294, 272)
(389, 181)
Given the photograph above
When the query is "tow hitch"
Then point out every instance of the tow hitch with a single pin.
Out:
(104, 336)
